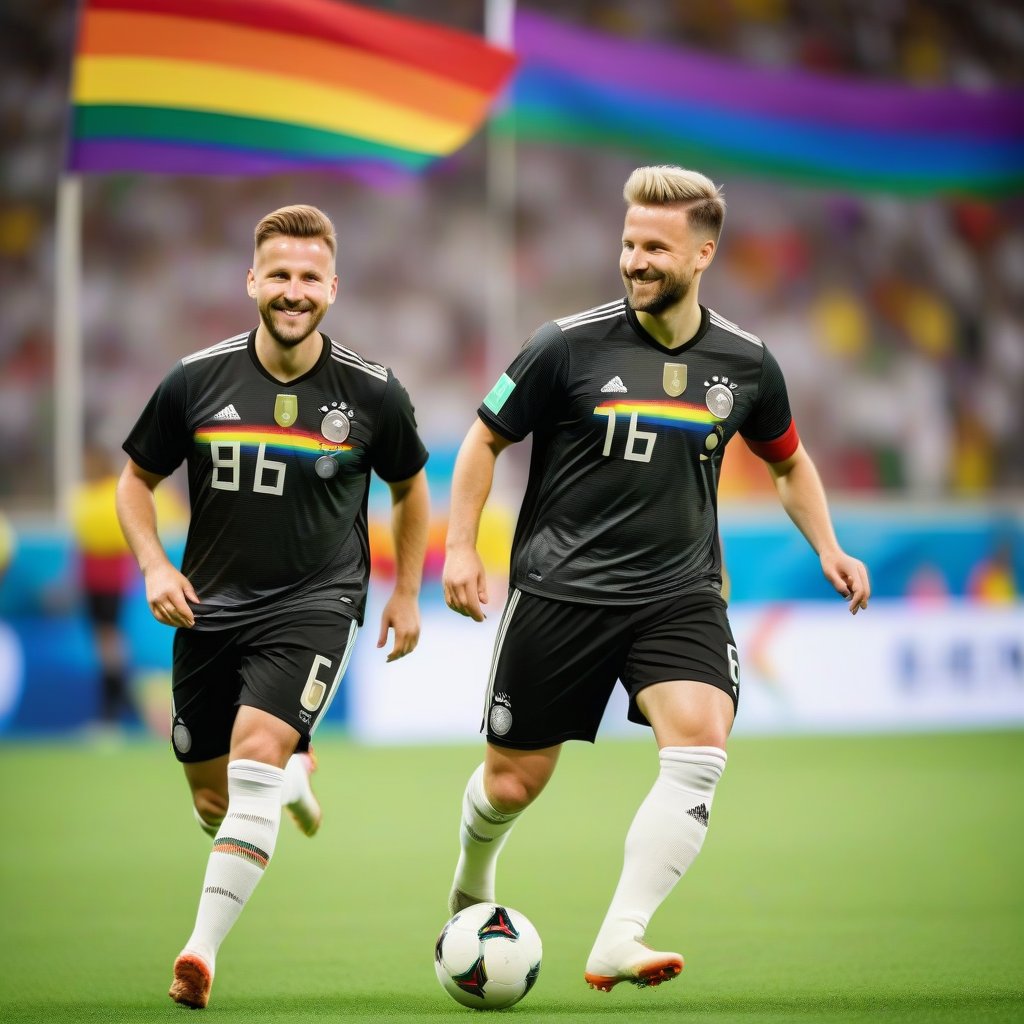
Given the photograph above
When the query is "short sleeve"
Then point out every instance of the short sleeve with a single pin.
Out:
(769, 429)
(528, 390)
(159, 441)
(398, 452)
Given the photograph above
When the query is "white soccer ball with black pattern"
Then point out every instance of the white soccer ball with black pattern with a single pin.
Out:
(487, 956)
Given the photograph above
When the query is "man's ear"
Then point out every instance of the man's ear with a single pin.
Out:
(706, 254)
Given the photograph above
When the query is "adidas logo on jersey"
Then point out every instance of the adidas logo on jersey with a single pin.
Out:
(227, 413)
(615, 384)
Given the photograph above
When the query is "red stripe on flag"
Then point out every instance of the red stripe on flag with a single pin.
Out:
(446, 52)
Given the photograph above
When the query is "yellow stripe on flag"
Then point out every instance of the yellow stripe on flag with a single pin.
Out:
(162, 36)
(189, 85)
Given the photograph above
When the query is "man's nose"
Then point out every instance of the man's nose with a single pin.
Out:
(635, 261)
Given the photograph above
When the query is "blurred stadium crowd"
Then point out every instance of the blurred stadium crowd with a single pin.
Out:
(899, 324)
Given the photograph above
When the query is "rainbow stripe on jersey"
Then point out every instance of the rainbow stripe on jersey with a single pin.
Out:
(277, 439)
(667, 414)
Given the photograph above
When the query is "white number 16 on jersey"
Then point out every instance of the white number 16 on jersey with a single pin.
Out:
(630, 454)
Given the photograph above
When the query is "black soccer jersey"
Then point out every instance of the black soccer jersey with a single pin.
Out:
(278, 475)
(621, 505)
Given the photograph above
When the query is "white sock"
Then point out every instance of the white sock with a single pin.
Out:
(296, 780)
(482, 834)
(663, 841)
(241, 850)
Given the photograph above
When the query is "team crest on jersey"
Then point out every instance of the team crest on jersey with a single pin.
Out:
(719, 398)
(286, 410)
(673, 379)
(337, 421)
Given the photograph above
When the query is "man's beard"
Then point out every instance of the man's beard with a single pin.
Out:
(672, 291)
(290, 340)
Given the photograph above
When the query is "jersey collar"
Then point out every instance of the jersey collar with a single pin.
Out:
(315, 368)
(648, 339)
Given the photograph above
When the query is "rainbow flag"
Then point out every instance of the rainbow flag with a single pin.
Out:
(672, 105)
(267, 86)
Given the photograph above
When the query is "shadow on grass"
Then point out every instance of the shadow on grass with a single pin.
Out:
(625, 1004)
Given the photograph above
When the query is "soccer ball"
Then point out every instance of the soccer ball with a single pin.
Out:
(487, 956)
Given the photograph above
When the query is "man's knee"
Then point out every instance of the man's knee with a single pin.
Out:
(513, 781)
(703, 734)
(509, 793)
(259, 736)
(209, 807)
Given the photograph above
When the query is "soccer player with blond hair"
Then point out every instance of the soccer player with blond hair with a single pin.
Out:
(616, 570)
(281, 427)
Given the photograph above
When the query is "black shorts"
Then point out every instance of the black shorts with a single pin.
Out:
(556, 662)
(290, 666)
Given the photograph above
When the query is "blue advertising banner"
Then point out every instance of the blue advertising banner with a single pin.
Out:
(928, 569)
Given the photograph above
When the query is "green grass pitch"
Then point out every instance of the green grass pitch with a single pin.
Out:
(843, 879)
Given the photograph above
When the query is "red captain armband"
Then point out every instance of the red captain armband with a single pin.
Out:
(778, 450)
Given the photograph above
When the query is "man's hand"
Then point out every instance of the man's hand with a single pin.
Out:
(402, 614)
(849, 576)
(168, 594)
(465, 582)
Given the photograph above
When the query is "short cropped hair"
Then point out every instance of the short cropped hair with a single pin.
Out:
(298, 222)
(665, 184)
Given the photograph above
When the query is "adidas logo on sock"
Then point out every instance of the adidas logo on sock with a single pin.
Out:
(615, 384)
(227, 413)
(699, 813)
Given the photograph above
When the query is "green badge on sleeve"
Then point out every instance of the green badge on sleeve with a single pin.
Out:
(498, 395)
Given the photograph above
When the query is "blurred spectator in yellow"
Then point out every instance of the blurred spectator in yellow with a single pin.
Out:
(992, 580)
(8, 543)
(106, 572)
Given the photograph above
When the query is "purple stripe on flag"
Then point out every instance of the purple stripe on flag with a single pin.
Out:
(112, 156)
(668, 71)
